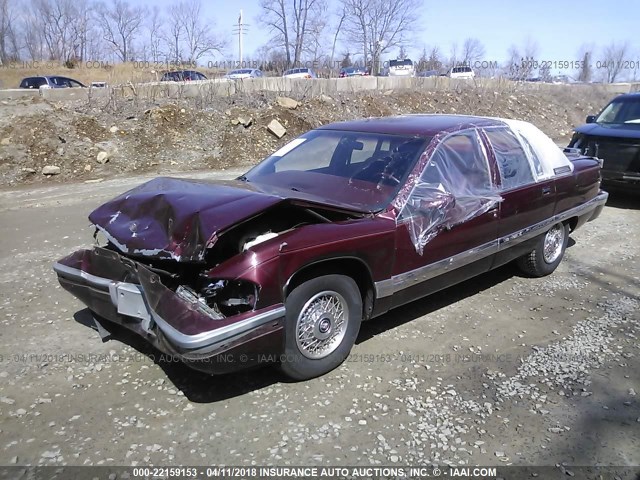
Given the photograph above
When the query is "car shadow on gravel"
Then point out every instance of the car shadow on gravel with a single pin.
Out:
(197, 386)
(424, 306)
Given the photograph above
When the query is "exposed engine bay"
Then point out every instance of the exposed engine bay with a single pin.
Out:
(223, 297)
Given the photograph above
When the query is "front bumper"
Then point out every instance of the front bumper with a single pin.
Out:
(127, 293)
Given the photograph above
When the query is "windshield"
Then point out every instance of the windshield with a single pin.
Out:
(397, 63)
(624, 110)
(361, 170)
(239, 72)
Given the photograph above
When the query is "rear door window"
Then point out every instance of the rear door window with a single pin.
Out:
(515, 170)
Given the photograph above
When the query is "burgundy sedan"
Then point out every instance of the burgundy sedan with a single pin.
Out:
(337, 227)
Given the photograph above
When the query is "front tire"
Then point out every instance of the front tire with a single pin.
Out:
(322, 323)
(547, 254)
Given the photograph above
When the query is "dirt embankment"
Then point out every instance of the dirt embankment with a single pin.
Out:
(90, 141)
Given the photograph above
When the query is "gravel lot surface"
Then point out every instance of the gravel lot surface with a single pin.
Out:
(499, 370)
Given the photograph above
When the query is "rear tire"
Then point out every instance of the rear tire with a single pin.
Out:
(547, 254)
(322, 323)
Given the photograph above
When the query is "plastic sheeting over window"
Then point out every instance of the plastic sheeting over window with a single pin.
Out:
(454, 187)
(513, 163)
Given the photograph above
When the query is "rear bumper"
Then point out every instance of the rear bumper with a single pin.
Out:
(127, 293)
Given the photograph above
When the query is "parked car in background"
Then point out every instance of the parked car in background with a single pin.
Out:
(50, 81)
(183, 76)
(299, 73)
(614, 136)
(243, 73)
(461, 71)
(401, 68)
(353, 72)
(337, 227)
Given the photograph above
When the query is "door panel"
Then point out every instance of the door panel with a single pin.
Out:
(466, 249)
(445, 233)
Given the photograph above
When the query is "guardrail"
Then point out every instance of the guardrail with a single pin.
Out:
(299, 88)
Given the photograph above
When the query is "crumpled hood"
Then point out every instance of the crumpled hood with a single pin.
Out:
(179, 219)
(625, 130)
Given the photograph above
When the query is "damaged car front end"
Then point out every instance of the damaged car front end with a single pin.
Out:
(159, 275)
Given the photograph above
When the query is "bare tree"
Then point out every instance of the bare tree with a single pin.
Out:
(120, 24)
(430, 59)
(584, 72)
(613, 57)
(198, 36)
(291, 23)
(81, 29)
(472, 51)
(9, 49)
(316, 35)
(174, 33)
(189, 36)
(380, 25)
(341, 16)
(57, 19)
(544, 73)
(155, 33)
(32, 35)
(522, 61)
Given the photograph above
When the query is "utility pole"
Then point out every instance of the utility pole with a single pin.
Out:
(240, 29)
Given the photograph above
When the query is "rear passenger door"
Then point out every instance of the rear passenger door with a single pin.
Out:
(526, 202)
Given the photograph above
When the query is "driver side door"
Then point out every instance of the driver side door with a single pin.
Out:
(447, 230)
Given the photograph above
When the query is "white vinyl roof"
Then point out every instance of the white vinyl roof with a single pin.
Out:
(551, 160)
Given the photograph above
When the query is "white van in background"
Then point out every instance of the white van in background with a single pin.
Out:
(462, 71)
(401, 68)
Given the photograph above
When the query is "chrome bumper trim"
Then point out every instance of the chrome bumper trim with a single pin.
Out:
(124, 298)
(385, 288)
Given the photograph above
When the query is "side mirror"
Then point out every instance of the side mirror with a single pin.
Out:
(591, 118)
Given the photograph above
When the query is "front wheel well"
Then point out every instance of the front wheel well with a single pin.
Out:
(350, 267)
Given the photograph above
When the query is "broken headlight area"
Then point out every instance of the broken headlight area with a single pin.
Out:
(228, 297)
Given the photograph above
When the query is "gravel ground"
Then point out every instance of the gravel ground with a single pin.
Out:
(500, 370)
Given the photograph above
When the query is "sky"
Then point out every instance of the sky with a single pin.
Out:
(559, 27)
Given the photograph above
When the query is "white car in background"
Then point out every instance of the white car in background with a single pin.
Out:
(299, 73)
(243, 73)
(401, 68)
(462, 71)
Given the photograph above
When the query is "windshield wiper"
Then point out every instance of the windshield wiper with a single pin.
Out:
(243, 178)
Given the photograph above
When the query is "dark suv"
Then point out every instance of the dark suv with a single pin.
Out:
(50, 81)
(182, 76)
(614, 136)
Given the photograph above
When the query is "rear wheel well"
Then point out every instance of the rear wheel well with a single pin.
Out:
(572, 222)
(350, 267)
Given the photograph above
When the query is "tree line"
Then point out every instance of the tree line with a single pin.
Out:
(77, 30)
(340, 33)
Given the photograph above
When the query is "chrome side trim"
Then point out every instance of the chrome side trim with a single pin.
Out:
(132, 307)
(387, 287)
(422, 274)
